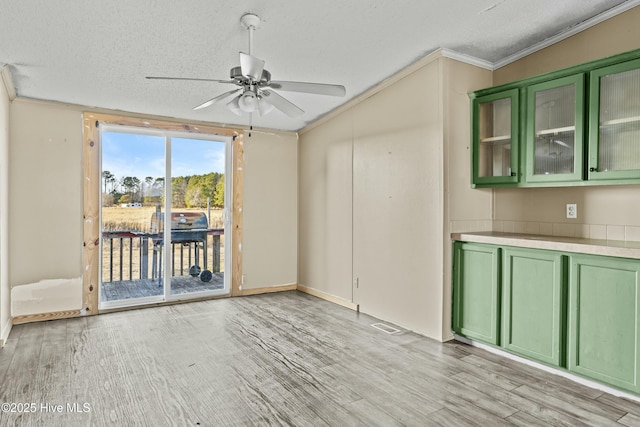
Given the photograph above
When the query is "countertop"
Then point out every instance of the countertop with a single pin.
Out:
(615, 248)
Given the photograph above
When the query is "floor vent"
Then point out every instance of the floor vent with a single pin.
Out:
(386, 328)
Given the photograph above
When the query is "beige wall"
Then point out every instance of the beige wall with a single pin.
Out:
(5, 301)
(270, 206)
(325, 209)
(46, 196)
(377, 185)
(464, 208)
(45, 208)
(397, 202)
(603, 212)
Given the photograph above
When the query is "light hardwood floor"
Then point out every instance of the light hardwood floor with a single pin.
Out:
(276, 359)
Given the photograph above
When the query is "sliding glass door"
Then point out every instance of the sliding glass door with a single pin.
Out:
(153, 182)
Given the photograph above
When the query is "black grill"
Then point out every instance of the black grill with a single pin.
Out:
(186, 228)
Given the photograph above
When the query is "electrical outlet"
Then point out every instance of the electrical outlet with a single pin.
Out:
(572, 210)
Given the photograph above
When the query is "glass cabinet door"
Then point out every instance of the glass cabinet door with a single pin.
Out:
(614, 126)
(554, 130)
(495, 138)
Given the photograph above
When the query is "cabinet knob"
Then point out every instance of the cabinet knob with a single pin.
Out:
(593, 170)
(513, 174)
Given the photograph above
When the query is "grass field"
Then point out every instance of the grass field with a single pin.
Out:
(139, 219)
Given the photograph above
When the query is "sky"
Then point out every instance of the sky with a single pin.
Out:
(141, 156)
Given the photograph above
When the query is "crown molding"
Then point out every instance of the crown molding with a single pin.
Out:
(617, 10)
(8, 82)
(467, 59)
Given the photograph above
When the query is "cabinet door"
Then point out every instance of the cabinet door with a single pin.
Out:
(554, 135)
(603, 320)
(614, 122)
(532, 304)
(495, 139)
(476, 291)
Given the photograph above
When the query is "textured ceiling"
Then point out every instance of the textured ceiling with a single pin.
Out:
(97, 53)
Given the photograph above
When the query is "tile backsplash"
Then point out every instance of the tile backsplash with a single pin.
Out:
(586, 231)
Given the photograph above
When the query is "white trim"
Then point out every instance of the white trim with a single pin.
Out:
(131, 302)
(228, 214)
(5, 72)
(580, 380)
(568, 33)
(4, 334)
(168, 136)
(329, 297)
(167, 253)
(467, 59)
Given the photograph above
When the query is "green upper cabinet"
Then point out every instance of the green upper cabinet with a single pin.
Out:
(575, 126)
(495, 138)
(554, 135)
(614, 122)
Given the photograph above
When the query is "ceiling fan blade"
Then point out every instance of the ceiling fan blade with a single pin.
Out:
(282, 104)
(316, 88)
(189, 78)
(235, 106)
(216, 99)
(251, 66)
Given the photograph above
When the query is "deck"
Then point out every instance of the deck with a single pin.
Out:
(128, 289)
(132, 261)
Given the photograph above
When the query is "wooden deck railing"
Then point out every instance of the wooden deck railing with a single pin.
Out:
(133, 255)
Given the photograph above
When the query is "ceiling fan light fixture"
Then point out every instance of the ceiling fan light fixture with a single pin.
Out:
(234, 105)
(264, 107)
(248, 102)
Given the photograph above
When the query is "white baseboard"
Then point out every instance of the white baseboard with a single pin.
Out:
(4, 334)
(331, 298)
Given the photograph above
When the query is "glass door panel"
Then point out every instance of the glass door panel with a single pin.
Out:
(163, 221)
(197, 244)
(495, 138)
(554, 133)
(132, 186)
(615, 123)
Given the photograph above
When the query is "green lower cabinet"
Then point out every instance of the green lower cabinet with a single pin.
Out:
(604, 336)
(476, 291)
(532, 304)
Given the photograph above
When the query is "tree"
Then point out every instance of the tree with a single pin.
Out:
(125, 199)
(193, 197)
(131, 185)
(108, 177)
(178, 189)
(148, 186)
(107, 199)
(218, 197)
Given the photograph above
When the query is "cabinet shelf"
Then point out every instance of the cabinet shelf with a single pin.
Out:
(621, 121)
(625, 124)
(499, 138)
(556, 131)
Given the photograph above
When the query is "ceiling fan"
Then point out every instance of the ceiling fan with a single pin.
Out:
(257, 92)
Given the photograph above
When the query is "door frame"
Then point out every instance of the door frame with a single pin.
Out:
(92, 187)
